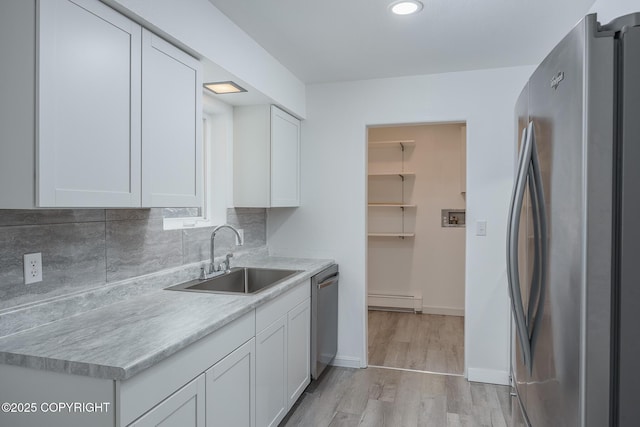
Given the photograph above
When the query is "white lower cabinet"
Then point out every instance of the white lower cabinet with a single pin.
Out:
(221, 362)
(298, 350)
(271, 364)
(184, 408)
(231, 389)
(248, 373)
(283, 350)
(253, 383)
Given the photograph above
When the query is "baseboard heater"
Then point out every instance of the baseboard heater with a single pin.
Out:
(395, 302)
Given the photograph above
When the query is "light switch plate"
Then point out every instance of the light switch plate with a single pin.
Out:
(481, 228)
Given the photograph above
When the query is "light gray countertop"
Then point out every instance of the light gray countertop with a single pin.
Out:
(120, 340)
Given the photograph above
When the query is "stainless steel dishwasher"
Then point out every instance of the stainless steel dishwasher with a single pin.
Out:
(324, 319)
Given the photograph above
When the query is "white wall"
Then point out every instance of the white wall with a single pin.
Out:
(204, 29)
(610, 9)
(334, 194)
(429, 266)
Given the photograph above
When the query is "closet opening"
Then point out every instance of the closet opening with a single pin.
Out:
(416, 201)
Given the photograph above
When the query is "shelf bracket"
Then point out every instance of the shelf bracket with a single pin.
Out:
(402, 146)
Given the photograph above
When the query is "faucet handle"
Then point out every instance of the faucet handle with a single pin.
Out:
(228, 261)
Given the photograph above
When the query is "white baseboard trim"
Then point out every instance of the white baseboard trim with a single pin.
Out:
(490, 376)
(347, 362)
(446, 311)
(399, 302)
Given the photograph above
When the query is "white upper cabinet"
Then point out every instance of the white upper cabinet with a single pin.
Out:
(171, 127)
(88, 106)
(109, 115)
(285, 159)
(266, 156)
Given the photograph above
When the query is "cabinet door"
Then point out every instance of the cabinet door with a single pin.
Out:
(251, 156)
(88, 106)
(184, 408)
(171, 125)
(231, 389)
(271, 354)
(285, 159)
(298, 350)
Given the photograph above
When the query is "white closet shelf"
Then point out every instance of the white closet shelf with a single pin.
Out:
(399, 173)
(387, 171)
(391, 235)
(401, 143)
(391, 205)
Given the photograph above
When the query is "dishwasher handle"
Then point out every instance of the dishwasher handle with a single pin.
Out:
(329, 281)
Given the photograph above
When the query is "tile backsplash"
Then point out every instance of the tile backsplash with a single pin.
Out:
(84, 249)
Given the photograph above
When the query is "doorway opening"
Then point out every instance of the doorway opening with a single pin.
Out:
(416, 200)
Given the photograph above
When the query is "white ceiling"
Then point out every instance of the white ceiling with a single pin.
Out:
(340, 40)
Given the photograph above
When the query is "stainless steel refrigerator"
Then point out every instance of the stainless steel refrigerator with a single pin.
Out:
(573, 238)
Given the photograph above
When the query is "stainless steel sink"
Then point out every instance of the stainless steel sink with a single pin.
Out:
(240, 280)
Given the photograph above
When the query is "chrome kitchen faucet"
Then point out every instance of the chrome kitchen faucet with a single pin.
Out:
(212, 268)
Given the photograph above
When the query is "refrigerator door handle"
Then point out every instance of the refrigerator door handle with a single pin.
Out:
(534, 290)
(540, 272)
(513, 230)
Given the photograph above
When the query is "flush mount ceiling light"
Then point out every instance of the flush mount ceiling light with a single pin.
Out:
(220, 88)
(405, 7)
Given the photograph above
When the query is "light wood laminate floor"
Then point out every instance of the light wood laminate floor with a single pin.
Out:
(425, 342)
(393, 398)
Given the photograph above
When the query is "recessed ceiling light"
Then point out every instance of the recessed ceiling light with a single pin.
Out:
(406, 7)
(220, 88)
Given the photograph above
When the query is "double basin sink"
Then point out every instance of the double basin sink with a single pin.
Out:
(240, 280)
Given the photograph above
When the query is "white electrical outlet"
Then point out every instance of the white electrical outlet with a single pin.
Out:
(32, 268)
